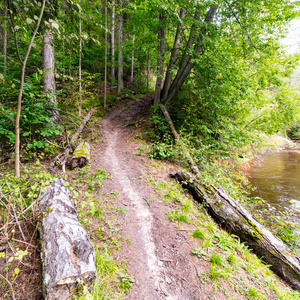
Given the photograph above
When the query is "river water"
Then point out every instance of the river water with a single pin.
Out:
(276, 176)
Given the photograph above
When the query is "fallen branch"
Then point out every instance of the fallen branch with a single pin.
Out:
(237, 220)
(180, 143)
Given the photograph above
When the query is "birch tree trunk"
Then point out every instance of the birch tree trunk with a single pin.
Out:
(113, 18)
(105, 67)
(161, 58)
(67, 254)
(49, 68)
(120, 45)
(132, 60)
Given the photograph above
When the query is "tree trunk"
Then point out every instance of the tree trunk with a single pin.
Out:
(120, 45)
(186, 63)
(237, 220)
(5, 41)
(49, 68)
(148, 71)
(79, 71)
(174, 57)
(19, 106)
(105, 58)
(132, 60)
(113, 17)
(161, 57)
(68, 256)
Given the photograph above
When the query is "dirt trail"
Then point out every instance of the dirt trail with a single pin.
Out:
(159, 255)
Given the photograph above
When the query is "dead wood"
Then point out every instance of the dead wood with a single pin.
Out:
(65, 158)
(237, 220)
(67, 254)
(177, 137)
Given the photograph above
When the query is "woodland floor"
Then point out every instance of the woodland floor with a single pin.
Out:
(156, 249)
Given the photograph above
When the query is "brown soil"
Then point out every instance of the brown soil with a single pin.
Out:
(160, 254)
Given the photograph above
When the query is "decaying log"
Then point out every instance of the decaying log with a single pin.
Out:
(80, 157)
(65, 158)
(237, 220)
(67, 254)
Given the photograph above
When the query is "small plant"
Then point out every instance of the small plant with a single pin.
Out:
(126, 281)
(199, 252)
(176, 215)
(216, 259)
(255, 294)
(199, 233)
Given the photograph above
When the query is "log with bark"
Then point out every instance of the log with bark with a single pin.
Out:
(66, 157)
(237, 220)
(67, 254)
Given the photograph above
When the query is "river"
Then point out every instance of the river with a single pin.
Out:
(276, 176)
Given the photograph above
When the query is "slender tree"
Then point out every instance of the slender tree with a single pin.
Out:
(132, 60)
(120, 45)
(5, 40)
(105, 67)
(79, 67)
(112, 30)
(161, 56)
(17, 122)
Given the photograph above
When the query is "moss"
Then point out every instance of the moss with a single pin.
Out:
(82, 150)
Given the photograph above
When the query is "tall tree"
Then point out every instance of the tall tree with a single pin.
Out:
(161, 55)
(5, 40)
(120, 46)
(105, 63)
(113, 21)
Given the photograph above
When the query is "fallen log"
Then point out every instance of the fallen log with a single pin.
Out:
(68, 256)
(237, 220)
(65, 158)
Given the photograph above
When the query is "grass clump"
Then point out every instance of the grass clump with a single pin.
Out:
(176, 215)
(199, 233)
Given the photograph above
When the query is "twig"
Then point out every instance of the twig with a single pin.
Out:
(54, 144)
(15, 32)
(146, 201)
(18, 223)
(70, 121)
(5, 115)
(11, 287)
(24, 243)
(51, 108)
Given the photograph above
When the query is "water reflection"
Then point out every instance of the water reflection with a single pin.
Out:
(277, 178)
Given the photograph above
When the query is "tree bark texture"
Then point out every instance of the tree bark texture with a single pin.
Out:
(132, 60)
(5, 41)
(186, 63)
(113, 17)
(68, 256)
(49, 68)
(161, 57)
(105, 58)
(237, 220)
(120, 45)
(174, 57)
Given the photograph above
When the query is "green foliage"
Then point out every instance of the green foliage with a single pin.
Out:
(176, 215)
(36, 123)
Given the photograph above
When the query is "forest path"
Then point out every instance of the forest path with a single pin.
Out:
(159, 254)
